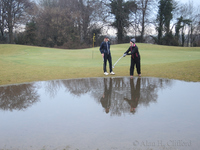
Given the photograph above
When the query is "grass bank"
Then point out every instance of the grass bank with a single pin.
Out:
(27, 63)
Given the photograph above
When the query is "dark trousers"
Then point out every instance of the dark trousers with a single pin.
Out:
(134, 62)
(109, 58)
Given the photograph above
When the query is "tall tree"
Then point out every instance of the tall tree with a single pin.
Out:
(163, 18)
(15, 10)
(189, 12)
(144, 8)
(181, 23)
(30, 33)
(67, 22)
(121, 10)
(2, 20)
(87, 17)
(160, 20)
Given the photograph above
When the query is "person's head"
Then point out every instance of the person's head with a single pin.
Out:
(132, 41)
(132, 110)
(107, 110)
(106, 39)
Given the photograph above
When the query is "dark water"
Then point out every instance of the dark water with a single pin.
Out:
(101, 113)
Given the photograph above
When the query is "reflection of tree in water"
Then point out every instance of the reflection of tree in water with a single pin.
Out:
(78, 87)
(117, 94)
(121, 93)
(52, 87)
(18, 97)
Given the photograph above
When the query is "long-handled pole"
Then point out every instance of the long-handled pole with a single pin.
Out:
(117, 61)
(94, 40)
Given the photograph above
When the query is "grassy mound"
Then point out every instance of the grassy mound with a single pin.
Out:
(27, 63)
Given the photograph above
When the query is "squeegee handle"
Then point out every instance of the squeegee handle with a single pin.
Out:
(117, 61)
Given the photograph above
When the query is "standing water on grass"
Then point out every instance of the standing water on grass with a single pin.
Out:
(101, 113)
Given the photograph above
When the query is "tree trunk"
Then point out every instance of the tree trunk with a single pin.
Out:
(183, 37)
(2, 18)
(142, 33)
(160, 29)
(120, 32)
(188, 38)
(10, 24)
(191, 36)
(144, 9)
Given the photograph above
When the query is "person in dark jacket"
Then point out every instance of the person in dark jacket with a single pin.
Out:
(106, 98)
(135, 57)
(106, 54)
(135, 94)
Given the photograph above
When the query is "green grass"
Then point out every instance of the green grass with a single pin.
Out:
(27, 63)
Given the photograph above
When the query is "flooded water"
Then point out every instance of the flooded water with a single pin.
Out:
(101, 113)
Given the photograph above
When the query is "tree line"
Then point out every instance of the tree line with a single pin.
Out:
(72, 23)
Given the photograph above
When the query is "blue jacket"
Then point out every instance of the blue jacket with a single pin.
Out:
(104, 48)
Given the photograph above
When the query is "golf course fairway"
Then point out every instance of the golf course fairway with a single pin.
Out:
(21, 64)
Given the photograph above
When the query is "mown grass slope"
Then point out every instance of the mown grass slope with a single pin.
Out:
(27, 63)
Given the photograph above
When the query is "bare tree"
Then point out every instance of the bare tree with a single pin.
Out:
(188, 13)
(14, 11)
(18, 97)
(62, 22)
(144, 7)
(142, 16)
(193, 15)
(2, 19)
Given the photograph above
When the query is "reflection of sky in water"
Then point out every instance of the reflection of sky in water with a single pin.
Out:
(70, 114)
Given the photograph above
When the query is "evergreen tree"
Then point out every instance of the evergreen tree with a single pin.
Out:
(163, 18)
(181, 23)
(31, 33)
(121, 10)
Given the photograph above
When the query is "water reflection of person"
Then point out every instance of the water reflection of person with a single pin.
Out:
(106, 98)
(135, 94)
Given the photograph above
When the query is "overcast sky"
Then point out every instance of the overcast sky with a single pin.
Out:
(195, 2)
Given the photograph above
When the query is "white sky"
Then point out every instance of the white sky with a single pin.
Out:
(195, 2)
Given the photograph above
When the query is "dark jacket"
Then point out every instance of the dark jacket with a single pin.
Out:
(103, 48)
(133, 50)
(106, 99)
(135, 93)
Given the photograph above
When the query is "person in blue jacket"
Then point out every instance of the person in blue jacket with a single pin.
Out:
(106, 98)
(135, 57)
(106, 54)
